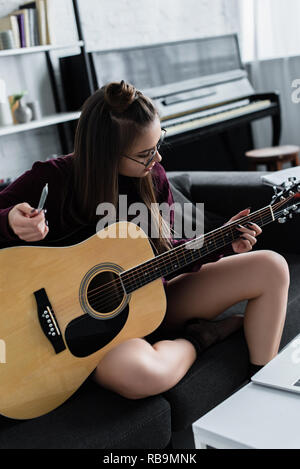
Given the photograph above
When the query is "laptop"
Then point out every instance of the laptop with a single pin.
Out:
(279, 177)
(283, 372)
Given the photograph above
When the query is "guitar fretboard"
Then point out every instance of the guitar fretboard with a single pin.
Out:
(191, 251)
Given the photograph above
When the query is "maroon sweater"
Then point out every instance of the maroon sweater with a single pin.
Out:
(55, 172)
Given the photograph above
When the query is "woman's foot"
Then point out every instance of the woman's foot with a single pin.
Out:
(203, 333)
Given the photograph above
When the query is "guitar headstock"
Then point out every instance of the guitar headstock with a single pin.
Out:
(284, 203)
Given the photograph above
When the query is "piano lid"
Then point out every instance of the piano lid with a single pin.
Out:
(181, 77)
(154, 66)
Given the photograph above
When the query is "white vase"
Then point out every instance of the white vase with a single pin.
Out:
(23, 113)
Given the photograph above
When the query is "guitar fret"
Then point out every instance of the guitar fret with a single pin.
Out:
(177, 260)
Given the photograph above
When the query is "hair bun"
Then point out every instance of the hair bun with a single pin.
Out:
(119, 96)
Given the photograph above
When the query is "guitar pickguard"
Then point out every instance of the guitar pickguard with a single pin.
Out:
(85, 334)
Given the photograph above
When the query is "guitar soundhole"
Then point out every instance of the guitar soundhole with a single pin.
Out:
(105, 307)
(105, 292)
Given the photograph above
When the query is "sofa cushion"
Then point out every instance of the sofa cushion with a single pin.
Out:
(180, 187)
(182, 182)
(93, 418)
(223, 190)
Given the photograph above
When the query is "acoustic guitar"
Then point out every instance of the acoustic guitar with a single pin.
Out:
(63, 308)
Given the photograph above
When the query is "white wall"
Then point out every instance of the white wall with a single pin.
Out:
(107, 24)
(112, 24)
(6, 6)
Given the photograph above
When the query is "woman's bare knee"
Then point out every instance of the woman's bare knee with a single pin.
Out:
(234, 278)
(132, 370)
(274, 266)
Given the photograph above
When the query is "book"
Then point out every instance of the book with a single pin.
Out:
(25, 14)
(33, 27)
(20, 19)
(42, 22)
(36, 28)
(15, 30)
(11, 22)
(33, 22)
(61, 23)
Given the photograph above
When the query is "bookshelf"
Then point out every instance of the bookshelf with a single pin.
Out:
(58, 118)
(61, 119)
(37, 49)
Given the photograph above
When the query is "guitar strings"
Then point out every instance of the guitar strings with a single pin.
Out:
(119, 292)
(276, 216)
(180, 249)
(109, 303)
(168, 262)
(119, 288)
(216, 236)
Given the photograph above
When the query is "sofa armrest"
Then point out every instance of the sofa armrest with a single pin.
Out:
(228, 192)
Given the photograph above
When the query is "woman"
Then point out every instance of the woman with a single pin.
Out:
(116, 152)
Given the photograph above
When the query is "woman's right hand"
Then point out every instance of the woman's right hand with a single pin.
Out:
(28, 225)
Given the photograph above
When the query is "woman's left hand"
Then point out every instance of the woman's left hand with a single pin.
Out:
(248, 232)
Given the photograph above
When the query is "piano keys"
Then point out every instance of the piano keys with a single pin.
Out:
(194, 109)
(224, 116)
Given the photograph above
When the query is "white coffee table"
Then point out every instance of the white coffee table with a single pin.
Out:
(254, 417)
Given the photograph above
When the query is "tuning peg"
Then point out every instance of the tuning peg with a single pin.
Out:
(294, 207)
(291, 193)
(275, 189)
(282, 220)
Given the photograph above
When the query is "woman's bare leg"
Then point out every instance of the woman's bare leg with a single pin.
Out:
(262, 277)
(135, 369)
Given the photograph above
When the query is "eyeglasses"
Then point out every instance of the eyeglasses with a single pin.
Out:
(151, 153)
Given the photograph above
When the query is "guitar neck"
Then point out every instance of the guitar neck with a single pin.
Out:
(191, 251)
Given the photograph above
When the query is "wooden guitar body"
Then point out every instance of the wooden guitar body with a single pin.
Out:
(55, 331)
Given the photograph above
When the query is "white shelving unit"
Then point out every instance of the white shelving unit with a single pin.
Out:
(36, 49)
(44, 122)
(60, 117)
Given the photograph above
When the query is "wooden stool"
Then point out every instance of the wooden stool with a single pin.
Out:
(273, 157)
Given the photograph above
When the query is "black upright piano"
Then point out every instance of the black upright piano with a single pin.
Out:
(201, 90)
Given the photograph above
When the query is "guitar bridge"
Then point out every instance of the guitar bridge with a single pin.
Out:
(48, 321)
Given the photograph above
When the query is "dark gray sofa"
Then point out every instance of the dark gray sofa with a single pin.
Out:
(97, 418)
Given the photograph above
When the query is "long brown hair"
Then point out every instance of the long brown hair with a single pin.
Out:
(111, 120)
